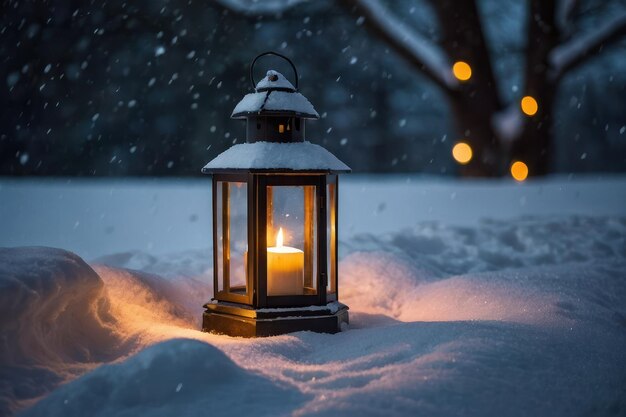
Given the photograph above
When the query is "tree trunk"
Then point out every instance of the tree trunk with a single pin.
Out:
(477, 99)
(534, 146)
(473, 125)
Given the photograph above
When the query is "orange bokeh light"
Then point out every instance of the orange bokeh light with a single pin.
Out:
(529, 105)
(519, 171)
(462, 153)
(462, 71)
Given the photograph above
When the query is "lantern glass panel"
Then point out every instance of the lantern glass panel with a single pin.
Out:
(291, 240)
(331, 235)
(232, 236)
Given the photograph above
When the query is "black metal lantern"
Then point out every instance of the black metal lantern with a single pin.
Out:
(275, 221)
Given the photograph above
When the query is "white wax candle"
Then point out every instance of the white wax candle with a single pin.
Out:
(285, 269)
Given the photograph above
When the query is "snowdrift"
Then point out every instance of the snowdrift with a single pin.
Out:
(520, 317)
(55, 321)
(173, 378)
(60, 318)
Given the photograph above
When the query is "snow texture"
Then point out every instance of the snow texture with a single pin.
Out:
(507, 316)
(273, 101)
(274, 79)
(298, 156)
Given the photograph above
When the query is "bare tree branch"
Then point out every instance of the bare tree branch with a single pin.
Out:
(564, 11)
(571, 54)
(420, 52)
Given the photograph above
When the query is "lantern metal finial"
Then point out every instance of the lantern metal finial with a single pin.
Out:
(295, 71)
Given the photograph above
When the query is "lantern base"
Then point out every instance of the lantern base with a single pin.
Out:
(244, 321)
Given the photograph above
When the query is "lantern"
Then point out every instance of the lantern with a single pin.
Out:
(275, 225)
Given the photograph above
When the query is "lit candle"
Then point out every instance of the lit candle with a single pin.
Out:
(285, 269)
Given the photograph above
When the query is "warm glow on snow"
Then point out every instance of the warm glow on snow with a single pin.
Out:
(462, 71)
(519, 171)
(529, 105)
(462, 153)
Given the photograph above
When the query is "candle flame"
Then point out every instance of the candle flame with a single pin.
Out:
(279, 238)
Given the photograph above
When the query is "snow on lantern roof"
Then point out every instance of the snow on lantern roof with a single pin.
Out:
(274, 94)
(272, 156)
(274, 80)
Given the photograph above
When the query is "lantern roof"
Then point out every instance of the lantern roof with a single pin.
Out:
(274, 95)
(276, 156)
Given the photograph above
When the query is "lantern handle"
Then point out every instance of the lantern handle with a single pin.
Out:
(295, 72)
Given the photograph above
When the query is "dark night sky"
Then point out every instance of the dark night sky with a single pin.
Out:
(146, 88)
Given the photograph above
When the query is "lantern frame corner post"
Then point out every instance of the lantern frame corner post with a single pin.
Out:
(214, 234)
(260, 235)
(253, 255)
(332, 241)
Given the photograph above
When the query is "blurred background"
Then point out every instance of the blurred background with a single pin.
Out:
(146, 88)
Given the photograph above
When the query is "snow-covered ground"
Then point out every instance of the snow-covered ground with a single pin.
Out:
(466, 298)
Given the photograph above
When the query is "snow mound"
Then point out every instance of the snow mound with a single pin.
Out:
(54, 318)
(190, 264)
(541, 271)
(60, 318)
(441, 250)
(167, 288)
(380, 283)
(177, 377)
(139, 298)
